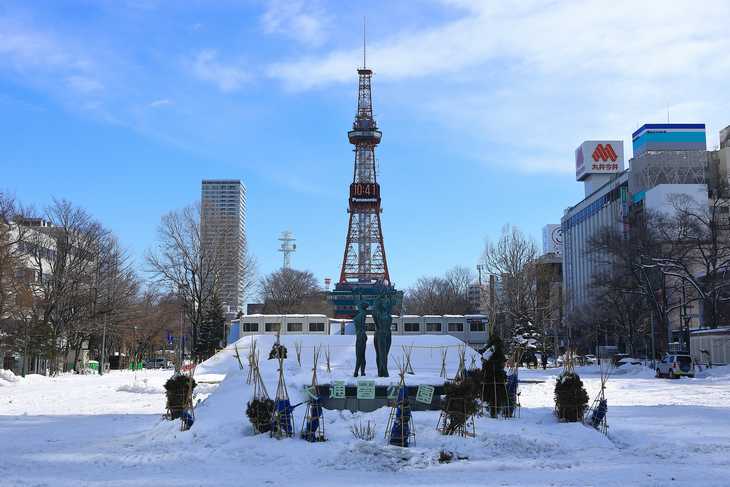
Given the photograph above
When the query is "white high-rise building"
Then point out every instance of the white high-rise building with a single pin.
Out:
(223, 226)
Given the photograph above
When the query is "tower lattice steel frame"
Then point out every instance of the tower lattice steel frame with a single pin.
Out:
(364, 260)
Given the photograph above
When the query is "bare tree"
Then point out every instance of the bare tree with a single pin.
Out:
(446, 294)
(66, 273)
(512, 260)
(153, 315)
(700, 264)
(291, 291)
(631, 288)
(188, 263)
(59, 260)
(9, 239)
(114, 290)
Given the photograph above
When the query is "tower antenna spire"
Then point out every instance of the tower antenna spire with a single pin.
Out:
(364, 50)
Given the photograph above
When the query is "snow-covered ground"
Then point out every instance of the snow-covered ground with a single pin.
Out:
(89, 430)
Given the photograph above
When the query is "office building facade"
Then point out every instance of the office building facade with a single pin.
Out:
(668, 160)
(605, 207)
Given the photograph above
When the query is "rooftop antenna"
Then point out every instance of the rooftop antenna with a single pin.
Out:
(287, 247)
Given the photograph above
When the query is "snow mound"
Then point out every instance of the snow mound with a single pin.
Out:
(7, 376)
(716, 372)
(425, 358)
(142, 387)
(633, 370)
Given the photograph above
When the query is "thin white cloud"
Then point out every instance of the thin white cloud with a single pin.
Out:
(305, 22)
(84, 84)
(227, 77)
(538, 77)
(162, 102)
(44, 58)
(23, 48)
(629, 38)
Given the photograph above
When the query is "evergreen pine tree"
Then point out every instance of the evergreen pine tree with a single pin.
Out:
(211, 329)
(528, 337)
(494, 376)
(571, 398)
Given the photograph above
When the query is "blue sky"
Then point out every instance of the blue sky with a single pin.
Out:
(124, 106)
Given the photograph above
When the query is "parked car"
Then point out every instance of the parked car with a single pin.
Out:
(157, 363)
(590, 359)
(676, 365)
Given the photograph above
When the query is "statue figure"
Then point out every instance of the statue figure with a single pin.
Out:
(383, 335)
(361, 338)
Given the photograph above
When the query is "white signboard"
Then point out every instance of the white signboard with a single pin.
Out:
(366, 389)
(598, 157)
(425, 394)
(552, 239)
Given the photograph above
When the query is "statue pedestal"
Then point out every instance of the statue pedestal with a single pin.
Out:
(352, 403)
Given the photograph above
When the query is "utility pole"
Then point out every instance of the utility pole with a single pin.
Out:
(178, 366)
(180, 352)
(492, 311)
(653, 350)
(103, 347)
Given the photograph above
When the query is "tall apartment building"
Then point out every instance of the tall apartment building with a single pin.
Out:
(223, 230)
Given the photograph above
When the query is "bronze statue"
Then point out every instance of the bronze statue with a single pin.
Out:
(383, 335)
(361, 337)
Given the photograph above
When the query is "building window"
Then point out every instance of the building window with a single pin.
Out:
(273, 327)
(369, 326)
(456, 327)
(433, 327)
(412, 327)
(294, 327)
(394, 327)
(477, 326)
(250, 327)
(316, 327)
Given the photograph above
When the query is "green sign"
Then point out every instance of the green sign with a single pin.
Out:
(392, 391)
(366, 389)
(425, 394)
(337, 389)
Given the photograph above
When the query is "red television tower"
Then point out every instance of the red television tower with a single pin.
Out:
(364, 260)
(364, 273)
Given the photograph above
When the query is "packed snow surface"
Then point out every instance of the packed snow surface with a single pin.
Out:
(76, 430)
